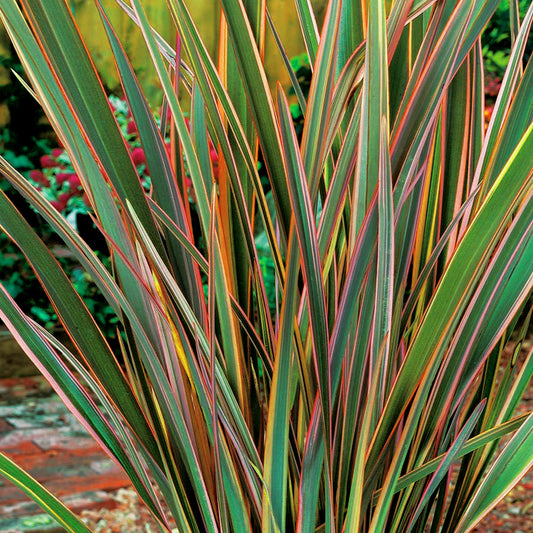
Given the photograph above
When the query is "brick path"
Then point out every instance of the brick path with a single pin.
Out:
(39, 434)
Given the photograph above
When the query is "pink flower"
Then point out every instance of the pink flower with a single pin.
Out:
(47, 162)
(74, 181)
(62, 201)
(64, 198)
(39, 177)
(137, 156)
(131, 128)
(492, 87)
(61, 177)
(57, 152)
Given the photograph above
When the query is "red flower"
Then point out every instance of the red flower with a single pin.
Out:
(131, 128)
(492, 87)
(137, 156)
(39, 177)
(62, 201)
(48, 162)
(61, 177)
(64, 198)
(74, 181)
(57, 152)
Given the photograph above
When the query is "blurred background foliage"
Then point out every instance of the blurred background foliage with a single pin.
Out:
(29, 144)
(498, 38)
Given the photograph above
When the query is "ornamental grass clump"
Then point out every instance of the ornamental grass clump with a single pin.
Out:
(365, 392)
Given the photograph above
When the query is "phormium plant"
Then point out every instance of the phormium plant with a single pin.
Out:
(363, 393)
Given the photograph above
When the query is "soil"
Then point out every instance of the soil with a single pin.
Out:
(129, 515)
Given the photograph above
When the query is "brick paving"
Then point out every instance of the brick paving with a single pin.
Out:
(39, 434)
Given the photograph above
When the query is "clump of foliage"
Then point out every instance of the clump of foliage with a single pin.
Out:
(399, 232)
(57, 180)
(51, 172)
(24, 287)
(500, 34)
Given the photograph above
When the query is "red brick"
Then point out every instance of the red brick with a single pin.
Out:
(15, 438)
(16, 388)
(33, 382)
(22, 447)
(10, 494)
(65, 459)
(77, 484)
(22, 507)
(60, 461)
(77, 503)
(62, 485)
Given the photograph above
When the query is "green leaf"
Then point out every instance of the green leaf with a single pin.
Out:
(456, 286)
(510, 466)
(260, 102)
(278, 419)
(37, 492)
(165, 192)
